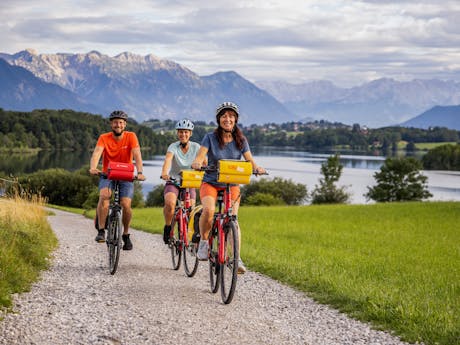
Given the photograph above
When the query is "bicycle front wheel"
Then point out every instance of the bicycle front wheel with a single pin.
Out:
(114, 241)
(175, 244)
(214, 267)
(190, 259)
(229, 268)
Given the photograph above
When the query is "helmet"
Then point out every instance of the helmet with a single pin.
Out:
(185, 124)
(118, 114)
(227, 105)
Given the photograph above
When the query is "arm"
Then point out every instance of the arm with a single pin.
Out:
(257, 169)
(167, 166)
(94, 161)
(200, 158)
(138, 158)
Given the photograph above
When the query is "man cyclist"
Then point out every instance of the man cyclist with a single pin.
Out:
(116, 146)
(179, 155)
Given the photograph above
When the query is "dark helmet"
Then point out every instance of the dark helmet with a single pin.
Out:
(118, 114)
(185, 124)
(224, 106)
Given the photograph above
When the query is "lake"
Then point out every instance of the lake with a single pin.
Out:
(299, 166)
(305, 167)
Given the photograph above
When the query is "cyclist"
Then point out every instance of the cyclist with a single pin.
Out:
(179, 155)
(226, 142)
(122, 146)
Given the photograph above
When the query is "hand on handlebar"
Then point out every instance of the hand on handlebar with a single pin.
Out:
(260, 171)
(94, 171)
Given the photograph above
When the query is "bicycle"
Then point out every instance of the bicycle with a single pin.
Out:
(179, 243)
(224, 235)
(113, 222)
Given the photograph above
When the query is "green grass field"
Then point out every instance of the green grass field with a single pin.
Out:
(395, 265)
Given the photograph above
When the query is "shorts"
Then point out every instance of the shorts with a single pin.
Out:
(126, 187)
(171, 188)
(208, 189)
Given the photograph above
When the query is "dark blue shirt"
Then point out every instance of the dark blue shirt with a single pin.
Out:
(215, 153)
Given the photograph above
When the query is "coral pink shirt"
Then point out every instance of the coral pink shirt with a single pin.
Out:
(117, 151)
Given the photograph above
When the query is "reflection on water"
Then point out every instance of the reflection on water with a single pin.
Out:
(24, 163)
(299, 166)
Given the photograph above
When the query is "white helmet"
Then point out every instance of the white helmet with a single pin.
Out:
(227, 105)
(185, 124)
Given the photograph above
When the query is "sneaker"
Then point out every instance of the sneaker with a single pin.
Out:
(127, 242)
(100, 236)
(166, 233)
(241, 267)
(202, 253)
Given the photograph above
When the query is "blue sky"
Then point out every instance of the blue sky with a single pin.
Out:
(347, 42)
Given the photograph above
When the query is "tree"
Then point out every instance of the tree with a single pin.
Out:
(327, 192)
(399, 179)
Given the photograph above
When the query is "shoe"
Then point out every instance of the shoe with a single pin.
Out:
(166, 233)
(241, 267)
(127, 242)
(202, 253)
(100, 236)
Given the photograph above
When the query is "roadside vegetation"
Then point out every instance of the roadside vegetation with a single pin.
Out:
(395, 265)
(26, 242)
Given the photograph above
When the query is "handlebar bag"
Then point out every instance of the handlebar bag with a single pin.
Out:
(234, 171)
(120, 171)
(191, 178)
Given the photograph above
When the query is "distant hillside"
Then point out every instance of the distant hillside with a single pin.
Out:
(438, 116)
(21, 90)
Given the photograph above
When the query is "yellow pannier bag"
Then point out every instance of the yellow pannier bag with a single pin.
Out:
(194, 217)
(234, 171)
(191, 178)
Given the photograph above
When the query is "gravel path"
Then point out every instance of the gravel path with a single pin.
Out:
(78, 302)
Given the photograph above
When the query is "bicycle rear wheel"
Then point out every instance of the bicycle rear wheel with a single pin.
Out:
(175, 245)
(214, 268)
(190, 259)
(114, 241)
(229, 269)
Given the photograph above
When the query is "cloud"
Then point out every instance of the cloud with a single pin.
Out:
(347, 42)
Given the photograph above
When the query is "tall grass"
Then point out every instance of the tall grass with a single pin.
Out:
(395, 265)
(26, 241)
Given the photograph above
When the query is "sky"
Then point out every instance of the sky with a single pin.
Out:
(295, 41)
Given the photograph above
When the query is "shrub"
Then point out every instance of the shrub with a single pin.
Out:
(259, 199)
(155, 197)
(291, 193)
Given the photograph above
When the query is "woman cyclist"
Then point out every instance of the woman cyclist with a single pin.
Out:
(179, 155)
(226, 142)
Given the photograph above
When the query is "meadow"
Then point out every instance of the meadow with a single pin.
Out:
(393, 265)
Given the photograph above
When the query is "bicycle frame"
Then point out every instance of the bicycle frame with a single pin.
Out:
(221, 218)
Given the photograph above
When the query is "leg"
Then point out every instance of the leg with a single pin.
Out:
(209, 206)
(127, 213)
(169, 206)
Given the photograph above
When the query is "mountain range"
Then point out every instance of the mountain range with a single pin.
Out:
(149, 87)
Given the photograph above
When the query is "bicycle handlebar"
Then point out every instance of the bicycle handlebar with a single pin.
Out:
(105, 176)
(212, 168)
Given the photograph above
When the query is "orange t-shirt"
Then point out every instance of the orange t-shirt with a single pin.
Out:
(117, 151)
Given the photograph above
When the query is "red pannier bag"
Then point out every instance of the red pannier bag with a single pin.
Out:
(120, 171)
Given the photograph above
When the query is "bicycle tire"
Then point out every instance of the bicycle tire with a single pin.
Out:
(229, 269)
(175, 244)
(214, 267)
(114, 241)
(190, 259)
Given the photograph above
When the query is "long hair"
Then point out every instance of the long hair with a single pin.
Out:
(237, 134)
